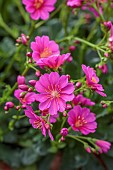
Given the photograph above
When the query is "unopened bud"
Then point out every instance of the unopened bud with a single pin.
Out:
(17, 107)
(6, 108)
(22, 94)
(78, 85)
(23, 106)
(68, 106)
(32, 82)
(72, 48)
(23, 87)
(30, 89)
(38, 74)
(10, 104)
(47, 126)
(29, 54)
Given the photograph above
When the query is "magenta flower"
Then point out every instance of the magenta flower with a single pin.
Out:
(92, 80)
(104, 146)
(43, 48)
(39, 8)
(81, 119)
(27, 98)
(55, 61)
(38, 122)
(54, 91)
(83, 101)
(74, 3)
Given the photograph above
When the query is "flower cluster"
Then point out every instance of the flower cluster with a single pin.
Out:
(55, 95)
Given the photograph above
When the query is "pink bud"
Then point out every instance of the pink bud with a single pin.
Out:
(78, 84)
(88, 149)
(23, 87)
(32, 82)
(30, 61)
(47, 126)
(22, 94)
(64, 114)
(9, 104)
(70, 59)
(104, 105)
(62, 139)
(64, 131)
(29, 54)
(17, 107)
(72, 48)
(68, 106)
(6, 108)
(23, 106)
(68, 76)
(30, 89)
(24, 39)
(106, 55)
(21, 80)
(38, 73)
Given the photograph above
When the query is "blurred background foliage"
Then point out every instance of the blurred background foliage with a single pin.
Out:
(21, 146)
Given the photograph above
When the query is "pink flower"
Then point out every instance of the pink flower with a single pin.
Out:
(54, 91)
(43, 48)
(81, 119)
(38, 122)
(39, 8)
(55, 61)
(104, 146)
(83, 101)
(27, 98)
(74, 3)
(92, 80)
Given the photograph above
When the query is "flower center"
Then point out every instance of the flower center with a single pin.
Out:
(55, 94)
(80, 122)
(38, 124)
(38, 3)
(47, 52)
(94, 80)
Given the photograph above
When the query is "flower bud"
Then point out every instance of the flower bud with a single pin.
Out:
(17, 107)
(6, 108)
(78, 85)
(23, 106)
(68, 106)
(22, 94)
(23, 87)
(21, 80)
(30, 89)
(88, 149)
(29, 54)
(9, 104)
(72, 48)
(64, 131)
(38, 74)
(32, 82)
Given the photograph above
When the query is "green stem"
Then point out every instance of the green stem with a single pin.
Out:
(76, 138)
(6, 28)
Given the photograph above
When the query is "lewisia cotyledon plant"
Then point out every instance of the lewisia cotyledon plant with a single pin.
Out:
(81, 119)
(39, 9)
(104, 146)
(55, 91)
